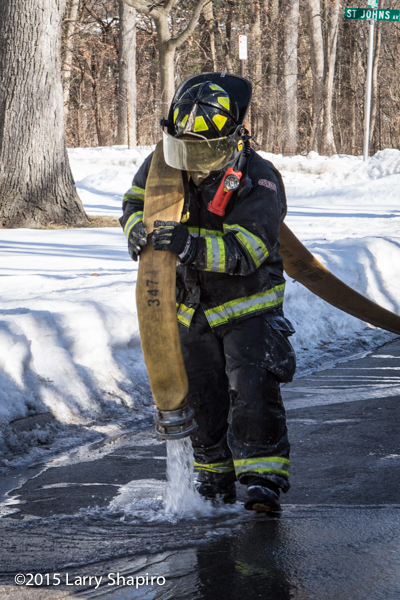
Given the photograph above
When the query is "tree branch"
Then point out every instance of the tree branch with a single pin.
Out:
(168, 4)
(144, 7)
(183, 36)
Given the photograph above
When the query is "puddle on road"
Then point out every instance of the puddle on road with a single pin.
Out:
(304, 554)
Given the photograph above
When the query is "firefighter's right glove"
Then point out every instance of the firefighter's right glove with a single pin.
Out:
(175, 237)
(137, 240)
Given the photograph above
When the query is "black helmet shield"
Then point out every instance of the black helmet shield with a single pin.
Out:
(205, 121)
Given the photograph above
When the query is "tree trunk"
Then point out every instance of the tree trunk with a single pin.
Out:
(36, 184)
(96, 68)
(256, 70)
(167, 76)
(289, 128)
(127, 75)
(207, 41)
(270, 118)
(160, 12)
(68, 54)
(328, 140)
(317, 69)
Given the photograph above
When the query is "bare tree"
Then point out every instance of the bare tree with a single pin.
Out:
(317, 69)
(207, 42)
(331, 36)
(291, 34)
(36, 185)
(127, 75)
(323, 37)
(257, 121)
(68, 50)
(167, 44)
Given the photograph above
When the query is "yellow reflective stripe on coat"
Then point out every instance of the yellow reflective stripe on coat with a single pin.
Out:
(200, 232)
(215, 254)
(134, 193)
(270, 464)
(222, 467)
(184, 314)
(245, 306)
(253, 244)
(131, 222)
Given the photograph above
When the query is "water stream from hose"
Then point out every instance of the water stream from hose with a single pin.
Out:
(181, 497)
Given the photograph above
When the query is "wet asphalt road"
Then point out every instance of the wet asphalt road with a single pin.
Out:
(338, 536)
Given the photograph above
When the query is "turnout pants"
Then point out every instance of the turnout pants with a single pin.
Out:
(236, 398)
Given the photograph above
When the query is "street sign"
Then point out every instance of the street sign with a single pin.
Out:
(373, 4)
(366, 14)
(243, 47)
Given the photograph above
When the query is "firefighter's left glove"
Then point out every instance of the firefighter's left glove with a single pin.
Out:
(137, 240)
(175, 237)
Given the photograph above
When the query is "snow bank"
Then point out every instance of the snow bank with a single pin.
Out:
(312, 163)
(103, 175)
(69, 340)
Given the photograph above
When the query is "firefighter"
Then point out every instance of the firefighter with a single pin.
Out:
(230, 288)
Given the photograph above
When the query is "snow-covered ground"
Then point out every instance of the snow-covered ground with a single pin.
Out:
(69, 341)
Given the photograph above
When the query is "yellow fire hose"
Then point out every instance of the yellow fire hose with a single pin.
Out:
(156, 306)
(301, 265)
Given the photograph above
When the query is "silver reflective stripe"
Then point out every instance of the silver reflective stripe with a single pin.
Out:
(134, 193)
(241, 306)
(131, 222)
(253, 244)
(185, 314)
(273, 464)
(215, 258)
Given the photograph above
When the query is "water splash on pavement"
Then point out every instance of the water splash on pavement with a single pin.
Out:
(181, 497)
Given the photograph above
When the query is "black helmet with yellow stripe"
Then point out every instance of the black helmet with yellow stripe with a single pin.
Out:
(205, 130)
(205, 109)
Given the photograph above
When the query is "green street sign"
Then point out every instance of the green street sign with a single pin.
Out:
(366, 14)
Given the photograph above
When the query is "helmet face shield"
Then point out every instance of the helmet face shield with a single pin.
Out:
(197, 155)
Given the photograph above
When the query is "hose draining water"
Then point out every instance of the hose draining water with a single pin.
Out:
(181, 497)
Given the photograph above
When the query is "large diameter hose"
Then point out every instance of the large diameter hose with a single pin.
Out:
(302, 266)
(156, 305)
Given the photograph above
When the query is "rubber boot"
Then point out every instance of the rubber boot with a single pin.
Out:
(262, 495)
(217, 488)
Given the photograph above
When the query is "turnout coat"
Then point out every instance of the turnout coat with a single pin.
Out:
(237, 271)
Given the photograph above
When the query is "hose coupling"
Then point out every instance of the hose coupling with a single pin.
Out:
(175, 424)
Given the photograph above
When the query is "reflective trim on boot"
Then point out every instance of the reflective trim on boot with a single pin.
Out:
(221, 467)
(268, 464)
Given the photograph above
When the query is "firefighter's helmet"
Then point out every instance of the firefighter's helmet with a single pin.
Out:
(205, 110)
(205, 122)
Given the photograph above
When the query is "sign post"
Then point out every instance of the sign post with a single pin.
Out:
(367, 115)
(371, 14)
(242, 52)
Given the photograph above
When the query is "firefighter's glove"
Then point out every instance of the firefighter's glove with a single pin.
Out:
(137, 240)
(175, 237)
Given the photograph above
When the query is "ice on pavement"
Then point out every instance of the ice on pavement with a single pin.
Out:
(69, 340)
